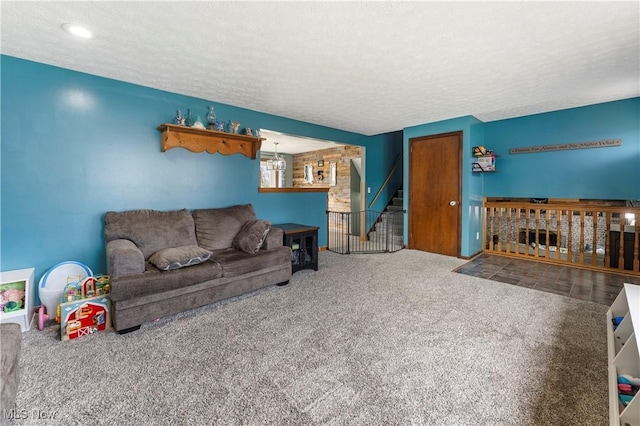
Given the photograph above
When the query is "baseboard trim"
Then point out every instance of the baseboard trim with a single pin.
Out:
(472, 256)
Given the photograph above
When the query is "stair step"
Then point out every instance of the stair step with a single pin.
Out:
(374, 236)
(400, 193)
(397, 201)
(397, 231)
(390, 222)
(394, 208)
(383, 231)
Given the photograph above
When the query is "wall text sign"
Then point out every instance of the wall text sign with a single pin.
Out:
(564, 146)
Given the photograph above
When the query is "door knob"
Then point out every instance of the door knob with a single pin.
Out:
(453, 203)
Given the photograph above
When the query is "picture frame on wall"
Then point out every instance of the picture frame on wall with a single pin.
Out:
(308, 173)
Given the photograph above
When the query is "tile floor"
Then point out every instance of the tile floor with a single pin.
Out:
(598, 287)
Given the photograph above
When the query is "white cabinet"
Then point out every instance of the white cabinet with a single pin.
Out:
(20, 280)
(624, 354)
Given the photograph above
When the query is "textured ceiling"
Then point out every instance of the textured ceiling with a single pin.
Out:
(366, 67)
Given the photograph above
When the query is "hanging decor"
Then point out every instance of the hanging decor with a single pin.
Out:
(276, 162)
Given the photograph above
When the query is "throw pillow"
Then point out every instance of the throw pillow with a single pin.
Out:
(251, 236)
(179, 257)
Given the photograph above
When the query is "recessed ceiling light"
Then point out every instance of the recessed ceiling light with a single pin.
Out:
(76, 30)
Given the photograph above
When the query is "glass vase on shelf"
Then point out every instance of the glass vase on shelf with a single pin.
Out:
(211, 118)
(189, 119)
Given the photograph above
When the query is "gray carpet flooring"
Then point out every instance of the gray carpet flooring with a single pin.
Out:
(368, 339)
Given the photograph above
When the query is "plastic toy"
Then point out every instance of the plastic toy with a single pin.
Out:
(84, 317)
(11, 299)
(52, 284)
(616, 321)
(629, 379)
(69, 283)
(82, 310)
(625, 399)
(12, 306)
(13, 295)
(103, 284)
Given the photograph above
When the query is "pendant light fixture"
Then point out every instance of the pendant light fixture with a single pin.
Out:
(276, 162)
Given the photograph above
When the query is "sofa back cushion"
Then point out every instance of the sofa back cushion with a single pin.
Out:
(216, 228)
(151, 230)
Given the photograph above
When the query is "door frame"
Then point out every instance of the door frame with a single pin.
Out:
(417, 139)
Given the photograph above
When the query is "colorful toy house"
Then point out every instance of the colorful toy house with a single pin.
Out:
(85, 308)
(83, 317)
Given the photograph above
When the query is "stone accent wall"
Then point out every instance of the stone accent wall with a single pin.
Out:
(339, 195)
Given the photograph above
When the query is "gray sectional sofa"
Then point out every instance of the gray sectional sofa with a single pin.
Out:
(11, 337)
(165, 262)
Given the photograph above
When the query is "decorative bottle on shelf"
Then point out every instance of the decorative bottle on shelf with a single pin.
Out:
(179, 120)
(233, 126)
(211, 118)
(189, 119)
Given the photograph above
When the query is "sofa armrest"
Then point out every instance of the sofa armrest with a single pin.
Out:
(124, 258)
(274, 239)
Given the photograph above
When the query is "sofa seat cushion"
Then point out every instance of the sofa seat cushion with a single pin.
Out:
(235, 262)
(153, 280)
(151, 230)
(216, 228)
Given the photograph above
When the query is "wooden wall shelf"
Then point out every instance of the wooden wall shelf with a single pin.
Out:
(198, 140)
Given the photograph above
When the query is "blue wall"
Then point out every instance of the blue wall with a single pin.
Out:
(384, 151)
(598, 173)
(76, 145)
(475, 193)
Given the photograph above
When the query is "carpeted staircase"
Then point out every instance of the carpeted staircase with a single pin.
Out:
(396, 204)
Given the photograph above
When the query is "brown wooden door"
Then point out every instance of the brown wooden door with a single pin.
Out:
(435, 193)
